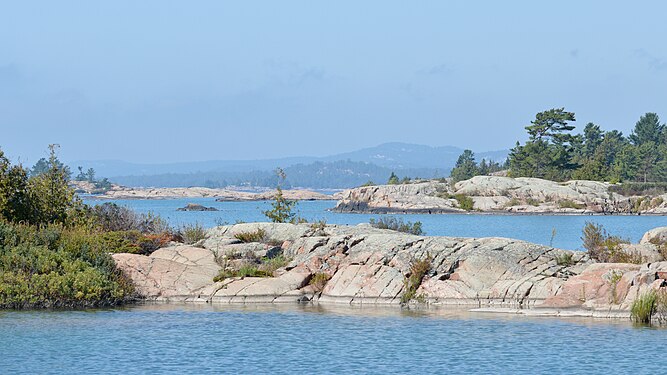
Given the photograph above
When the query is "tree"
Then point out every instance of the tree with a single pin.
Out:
(52, 194)
(90, 175)
(465, 167)
(647, 129)
(549, 152)
(550, 124)
(393, 179)
(281, 209)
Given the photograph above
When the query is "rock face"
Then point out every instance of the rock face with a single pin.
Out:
(365, 265)
(196, 207)
(497, 194)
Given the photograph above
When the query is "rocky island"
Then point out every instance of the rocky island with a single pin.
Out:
(365, 265)
(496, 194)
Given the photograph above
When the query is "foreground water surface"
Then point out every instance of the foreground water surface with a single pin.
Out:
(311, 339)
(563, 231)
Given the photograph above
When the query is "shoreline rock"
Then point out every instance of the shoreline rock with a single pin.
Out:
(222, 195)
(498, 195)
(366, 265)
(196, 207)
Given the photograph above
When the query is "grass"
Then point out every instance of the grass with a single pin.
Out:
(398, 225)
(255, 236)
(644, 307)
(252, 267)
(418, 269)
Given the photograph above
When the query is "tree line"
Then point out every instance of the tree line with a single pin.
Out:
(554, 152)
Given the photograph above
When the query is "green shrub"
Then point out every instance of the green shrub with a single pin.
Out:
(418, 269)
(464, 202)
(533, 202)
(564, 259)
(368, 183)
(252, 267)
(55, 266)
(644, 307)
(192, 233)
(398, 225)
(256, 236)
(513, 202)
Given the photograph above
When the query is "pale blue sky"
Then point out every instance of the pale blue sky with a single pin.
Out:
(164, 81)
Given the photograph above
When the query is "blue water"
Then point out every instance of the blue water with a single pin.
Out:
(533, 228)
(307, 339)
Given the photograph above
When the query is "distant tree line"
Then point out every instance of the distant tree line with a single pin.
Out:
(553, 152)
(466, 167)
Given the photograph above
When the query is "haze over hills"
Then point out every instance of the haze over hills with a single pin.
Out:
(334, 171)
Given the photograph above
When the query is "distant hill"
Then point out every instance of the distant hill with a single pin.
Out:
(336, 171)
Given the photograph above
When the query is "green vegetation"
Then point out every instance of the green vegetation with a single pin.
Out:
(250, 266)
(567, 203)
(54, 250)
(418, 269)
(464, 202)
(398, 225)
(393, 179)
(644, 307)
(192, 233)
(368, 183)
(258, 235)
(639, 188)
(466, 167)
(101, 186)
(606, 248)
(553, 153)
(282, 209)
(564, 259)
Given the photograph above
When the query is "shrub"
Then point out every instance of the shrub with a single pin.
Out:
(368, 183)
(533, 202)
(319, 281)
(251, 267)
(55, 266)
(465, 202)
(639, 188)
(564, 259)
(319, 225)
(644, 307)
(192, 233)
(256, 236)
(398, 225)
(606, 248)
(513, 202)
(418, 269)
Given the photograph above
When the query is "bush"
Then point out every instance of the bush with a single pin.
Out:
(251, 267)
(564, 259)
(606, 248)
(55, 266)
(192, 233)
(398, 225)
(418, 269)
(256, 236)
(639, 188)
(465, 202)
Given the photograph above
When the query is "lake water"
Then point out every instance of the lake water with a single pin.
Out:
(277, 339)
(533, 228)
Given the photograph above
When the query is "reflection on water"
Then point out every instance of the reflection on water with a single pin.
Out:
(290, 338)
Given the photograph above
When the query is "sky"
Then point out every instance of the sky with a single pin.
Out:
(167, 81)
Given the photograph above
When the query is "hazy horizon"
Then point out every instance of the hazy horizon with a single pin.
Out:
(156, 82)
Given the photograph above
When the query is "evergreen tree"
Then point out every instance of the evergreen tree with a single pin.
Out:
(647, 129)
(393, 179)
(466, 167)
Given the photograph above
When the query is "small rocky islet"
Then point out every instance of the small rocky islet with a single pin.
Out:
(364, 265)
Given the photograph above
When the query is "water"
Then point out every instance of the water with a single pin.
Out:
(533, 228)
(309, 339)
